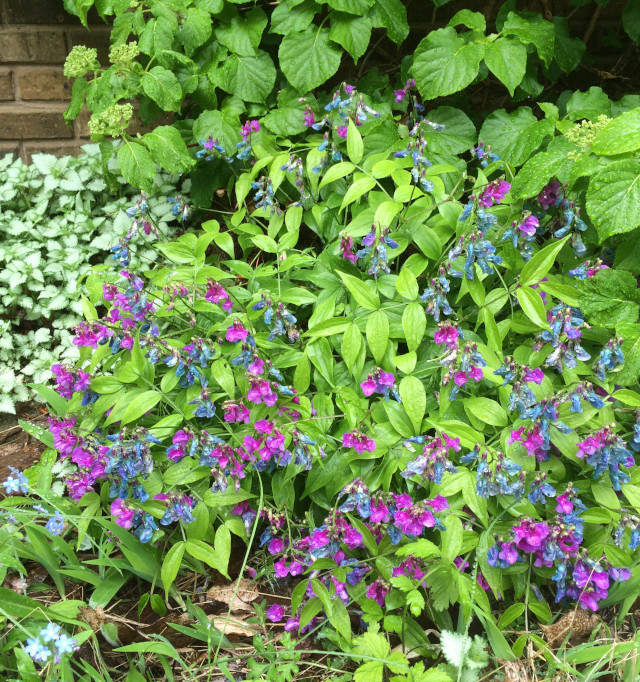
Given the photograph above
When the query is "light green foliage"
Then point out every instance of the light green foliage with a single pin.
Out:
(57, 218)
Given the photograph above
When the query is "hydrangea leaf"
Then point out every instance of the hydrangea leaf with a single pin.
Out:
(515, 136)
(353, 33)
(613, 198)
(162, 86)
(247, 77)
(445, 63)
(195, 29)
(168, 149)
(285, 19)
(610, 298)
(243, 33)
(620, 135)
(392, 15)
(309, 58)
(630, 370)
(459, 133)
(536, 31)
(136, 165)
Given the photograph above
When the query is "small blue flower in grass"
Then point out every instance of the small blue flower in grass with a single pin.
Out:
(55, 525)
(16, 482)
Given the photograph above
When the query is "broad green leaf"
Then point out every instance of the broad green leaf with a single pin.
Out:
(162, 86)
(414, 323)
(242, 34)
(336, 172)
(377, 334)
(355, 146)
(613, 198)
(537, 32)
(168, 149)
(392, 15)
(631, 20)
(214, 124)
(532, 306)
(567, 51)
(351, 346)
(302, 375)
(630, 370)
(308, 58)
(459, 133)
(195, 29)
(536, 172)
(136, 165)
(364, 296)
(506, 58)
(351, 32)
(486, 410)
(515, 136)
(414, 400)
(285, 19)
(452, 537)
(541, 263)
(444, 63)
(473, 20)
(140, 405)
(249, 77)
(610, 298)
(357, 7)
(620, 135)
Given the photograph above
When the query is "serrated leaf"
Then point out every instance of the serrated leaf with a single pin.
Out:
(537, 32)
(613, 198)
(353, 33)
(610, 298)
(392, 15)
(242, 34)
(515, 136)
(308, 58)
(251, 78)
(136, 165)
(162, 86)
(444, 63)
(620, 135)
(168, 149)
(285, 19)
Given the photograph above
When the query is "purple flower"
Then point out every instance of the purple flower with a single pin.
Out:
(275, 613)
(123, 514)
(236, 332)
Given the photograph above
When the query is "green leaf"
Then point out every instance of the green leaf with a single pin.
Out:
(486, 410)
(610, 297)
(407, 284)
(541, 263)
(532, 306)
(631, 20)
(163, 87)
(355, 146)
(243, 33)
(356, 190)
(620, 135)
(336, 172)
(195, 29)
(508, 616)
(285, 121)
(136, 165)
(613, 198)
(302, 375)
(157, 35)
(414, 323)
(377, 334)
(168, 149)
(392, 15)
(364, 296)
(506, 58)
(203, 552)
(515, 136)
(251, 78)
(308, 58)
(171, 565)
(473, 20)
(458, 136)
(452, 537)
(215, 124)
(141, 404)
(536, 173)
(285, 19)
(351, 346)
(537, 32)
(357, 7)
(444, 63)
(57, 402)
(414, 400)
(568, 51)
(630, 371)
(351, 32)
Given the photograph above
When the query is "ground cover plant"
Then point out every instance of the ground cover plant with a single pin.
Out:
(57, 220)
(388, 373)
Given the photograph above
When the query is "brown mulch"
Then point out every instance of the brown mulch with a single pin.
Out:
(17, 448)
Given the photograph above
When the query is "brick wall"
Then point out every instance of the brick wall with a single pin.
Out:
(35, 38)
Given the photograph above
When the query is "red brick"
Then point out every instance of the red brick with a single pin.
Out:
(70, 147)
(9, 148)
(19, 121)
(35, 46)
(42, 82)
(6, 85)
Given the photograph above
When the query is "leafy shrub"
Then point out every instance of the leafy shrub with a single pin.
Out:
(404, 374)
(211, 62)
(57, 218)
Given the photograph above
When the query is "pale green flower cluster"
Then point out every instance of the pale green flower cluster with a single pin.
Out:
(112, 121)
(123, 55)
(80, 61)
